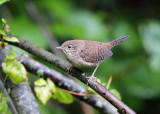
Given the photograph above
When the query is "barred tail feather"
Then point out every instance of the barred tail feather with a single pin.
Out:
(119, 40)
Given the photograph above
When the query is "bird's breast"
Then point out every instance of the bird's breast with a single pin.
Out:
(77, 61)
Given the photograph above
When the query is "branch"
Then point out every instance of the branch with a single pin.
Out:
(10, 103)
(65, 83)
(82, 76)
(21, 94)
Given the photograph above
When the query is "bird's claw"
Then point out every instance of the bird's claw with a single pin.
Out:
(90, 78)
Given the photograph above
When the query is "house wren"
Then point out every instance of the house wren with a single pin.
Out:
(85, 53)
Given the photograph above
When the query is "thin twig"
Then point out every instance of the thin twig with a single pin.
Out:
(79, 94)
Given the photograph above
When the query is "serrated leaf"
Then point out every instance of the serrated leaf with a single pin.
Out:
(44, 90)
(116, 93)
(11, 39)
(3, 1)
(62, 96)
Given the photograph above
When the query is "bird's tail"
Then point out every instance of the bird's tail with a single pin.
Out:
(117, 41)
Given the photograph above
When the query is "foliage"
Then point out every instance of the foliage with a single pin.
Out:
(4, 37)
(62, 96)
(3, 104)
(13, 68)
(46, 89)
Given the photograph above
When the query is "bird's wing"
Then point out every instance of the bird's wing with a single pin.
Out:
(95, 53)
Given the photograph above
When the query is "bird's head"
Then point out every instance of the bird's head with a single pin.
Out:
(69, 47)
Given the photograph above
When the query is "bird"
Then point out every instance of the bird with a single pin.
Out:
(87, 53)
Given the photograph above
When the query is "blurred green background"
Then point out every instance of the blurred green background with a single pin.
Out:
(135, 64)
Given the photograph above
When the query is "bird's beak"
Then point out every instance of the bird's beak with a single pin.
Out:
(59, 47)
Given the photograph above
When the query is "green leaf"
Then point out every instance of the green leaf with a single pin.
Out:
(44, 89)
(11, 39)
(3, 1)
(62, 96)
(3, 106)
(43, 94)
(14, 69)
(3, 103)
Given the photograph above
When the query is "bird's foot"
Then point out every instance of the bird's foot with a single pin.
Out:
(90, 78)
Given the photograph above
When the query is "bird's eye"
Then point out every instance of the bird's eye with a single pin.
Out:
(69, 46)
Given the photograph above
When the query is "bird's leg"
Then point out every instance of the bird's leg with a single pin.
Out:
(92, 76)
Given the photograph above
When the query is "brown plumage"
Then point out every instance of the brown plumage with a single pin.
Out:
(95, 52)
(86, 53)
